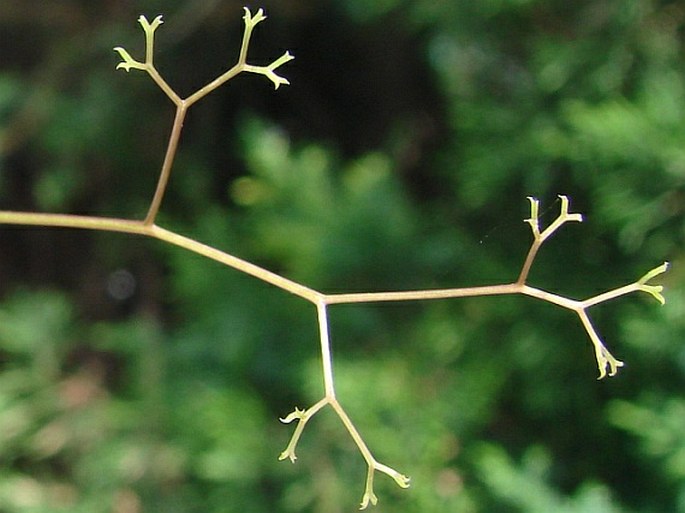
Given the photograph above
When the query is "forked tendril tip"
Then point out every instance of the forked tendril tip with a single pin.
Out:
(654, 290)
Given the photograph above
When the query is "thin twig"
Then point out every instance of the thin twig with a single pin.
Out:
(147, 227)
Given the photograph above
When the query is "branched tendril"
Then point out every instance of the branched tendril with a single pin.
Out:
(606, 363)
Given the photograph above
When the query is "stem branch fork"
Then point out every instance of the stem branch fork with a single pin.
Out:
(607, 364)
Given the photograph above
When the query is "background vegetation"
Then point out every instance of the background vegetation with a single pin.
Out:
(136, 377)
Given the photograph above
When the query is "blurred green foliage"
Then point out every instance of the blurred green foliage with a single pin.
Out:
(135, 377)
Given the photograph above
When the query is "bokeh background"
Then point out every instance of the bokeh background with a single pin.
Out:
(136, 377)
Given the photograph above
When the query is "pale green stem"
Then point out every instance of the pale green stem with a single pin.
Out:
(419, 295)
(302, 417)
(326, 359)
(602, 355)
(228, 75)
(369, 496)
(168, 163)
(149, 30)
(156, 232)
(611, 294)
(163, 85)
(214, 84)
(528, 263)
(540, 237)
